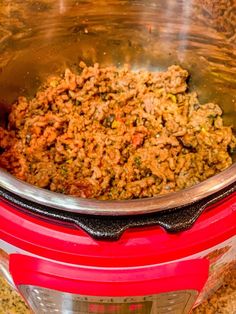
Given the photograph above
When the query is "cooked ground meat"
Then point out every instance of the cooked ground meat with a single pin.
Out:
(111, 133)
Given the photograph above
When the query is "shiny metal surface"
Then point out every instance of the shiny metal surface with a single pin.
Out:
(116, 208)
(42, 300)
(40, 38)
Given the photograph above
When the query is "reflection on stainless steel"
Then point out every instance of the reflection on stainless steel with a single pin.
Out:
(42, 300)
(40, 38)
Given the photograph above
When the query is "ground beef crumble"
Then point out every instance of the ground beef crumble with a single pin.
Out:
(110, 133)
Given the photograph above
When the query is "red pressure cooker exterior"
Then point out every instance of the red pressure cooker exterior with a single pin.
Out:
(144, 261)
(136, 247)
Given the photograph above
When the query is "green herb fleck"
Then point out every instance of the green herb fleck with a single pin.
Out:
(212, 116)
(54, 83)
(137, 161)
(28, 138)
(64, 171)
(77, 102)
(232, 150)
(172, 97)
(115, 124)
(185, 151)
(103, 96)
(107, 122)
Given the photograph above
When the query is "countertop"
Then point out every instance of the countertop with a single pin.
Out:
(222, 302)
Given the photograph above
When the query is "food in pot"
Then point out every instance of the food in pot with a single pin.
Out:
(110, 133)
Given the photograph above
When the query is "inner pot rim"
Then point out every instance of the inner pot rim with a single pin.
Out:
(78, 205)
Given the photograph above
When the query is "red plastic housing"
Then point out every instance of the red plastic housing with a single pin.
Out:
(143, 261)
(115, 282)
(136, 247)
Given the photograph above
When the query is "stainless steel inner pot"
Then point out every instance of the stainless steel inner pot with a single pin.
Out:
(41, 38)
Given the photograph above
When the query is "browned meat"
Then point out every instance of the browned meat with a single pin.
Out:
(112, 133)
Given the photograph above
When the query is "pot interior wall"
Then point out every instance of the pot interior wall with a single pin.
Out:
(40, 38)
